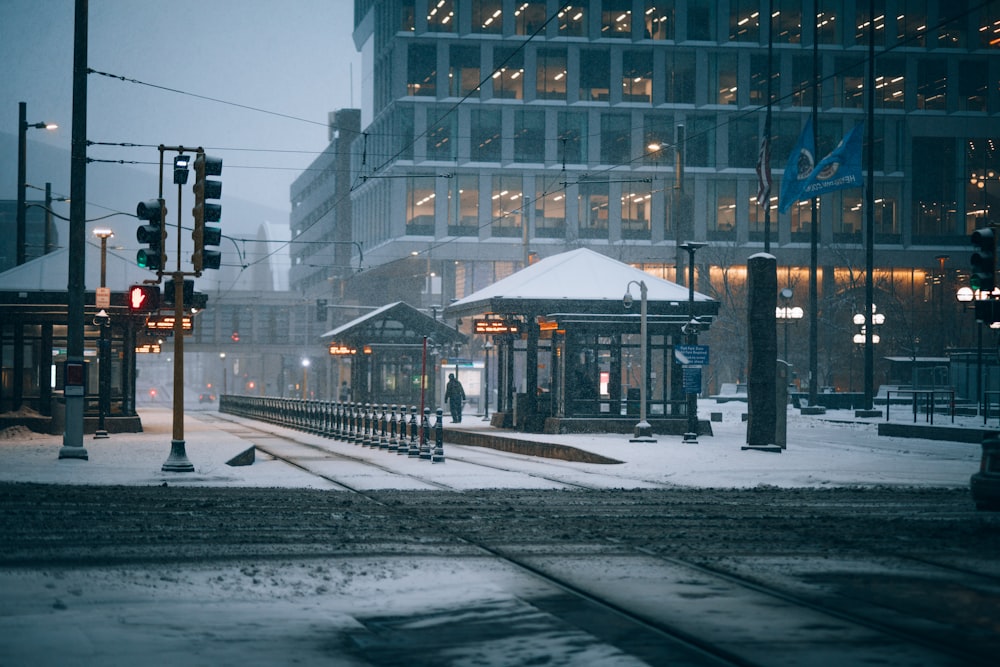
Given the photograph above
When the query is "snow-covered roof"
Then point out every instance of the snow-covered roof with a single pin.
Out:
(50, 273)
(581, 275)
(398, 321)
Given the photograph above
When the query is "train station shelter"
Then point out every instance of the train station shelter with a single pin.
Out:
(390, 349)
(568, 347)
(33, 339)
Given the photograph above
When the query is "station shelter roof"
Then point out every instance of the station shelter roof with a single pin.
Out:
(393, 324)
(581, 282)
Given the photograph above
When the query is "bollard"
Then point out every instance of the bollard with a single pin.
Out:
(366, 426)
(383, 437)
(393, 442)
(413, 450)
(438, 456)
(425, 445)
(352, 423)
(338, 422)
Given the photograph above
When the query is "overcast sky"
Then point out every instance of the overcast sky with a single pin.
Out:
(294, 58)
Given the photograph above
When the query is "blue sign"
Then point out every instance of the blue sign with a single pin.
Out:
(692, 379)
(691, 355)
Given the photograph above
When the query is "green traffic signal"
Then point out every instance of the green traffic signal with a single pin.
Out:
(153, 234)
(982, 277)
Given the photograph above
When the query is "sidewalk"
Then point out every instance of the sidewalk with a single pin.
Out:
(830, 450)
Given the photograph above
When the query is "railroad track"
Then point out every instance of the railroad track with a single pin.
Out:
(812, 618)
(751, 577)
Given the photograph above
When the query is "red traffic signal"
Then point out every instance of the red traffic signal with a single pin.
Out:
(143, 298)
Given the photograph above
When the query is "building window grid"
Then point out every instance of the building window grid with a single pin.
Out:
(930, 93)
(529, 17)
(507, 201)
(659, 20)
(616, 18)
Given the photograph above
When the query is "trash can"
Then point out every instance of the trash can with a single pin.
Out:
(57, 423)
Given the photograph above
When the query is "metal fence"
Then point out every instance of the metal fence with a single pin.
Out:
(395, 429)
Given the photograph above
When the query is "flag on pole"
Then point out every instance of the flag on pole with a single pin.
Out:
(839, 170)
(800, 166)
(764, 171)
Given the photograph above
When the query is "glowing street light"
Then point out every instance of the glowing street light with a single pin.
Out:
(22, 166)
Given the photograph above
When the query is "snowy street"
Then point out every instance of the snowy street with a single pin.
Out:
(843, 549)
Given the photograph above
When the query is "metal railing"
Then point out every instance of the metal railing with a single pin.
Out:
(391, 428)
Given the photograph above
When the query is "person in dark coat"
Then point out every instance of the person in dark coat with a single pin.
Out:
(454, 395)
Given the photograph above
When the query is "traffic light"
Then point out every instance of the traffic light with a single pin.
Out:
(143, 298)
(204, 236)
(153, 234)
(321, 310)
(168, 292)
(984, 260)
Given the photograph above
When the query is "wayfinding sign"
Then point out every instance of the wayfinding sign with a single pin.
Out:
(691, 355)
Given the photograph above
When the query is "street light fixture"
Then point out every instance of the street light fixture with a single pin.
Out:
(22, 166)
(877, 319)
(643, 430)
(692, 333)
(787, 315)
(222, 357)
(104, 321)
(305, 378)
(966, 295)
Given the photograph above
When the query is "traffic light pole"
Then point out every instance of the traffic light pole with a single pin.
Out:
(156, 257)
(178, 460)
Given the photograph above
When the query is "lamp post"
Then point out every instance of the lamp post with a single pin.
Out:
(692, 334)
(305, 378)
(487, 346)
(787, 315)
(222, 357)
(967, 295)
(643, 430)
(103, 320)
(860, 320)
(22, 167)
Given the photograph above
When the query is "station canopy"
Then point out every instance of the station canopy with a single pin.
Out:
(583, 285)
(393, 324)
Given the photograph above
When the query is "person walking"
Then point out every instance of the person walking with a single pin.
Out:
(454, 395)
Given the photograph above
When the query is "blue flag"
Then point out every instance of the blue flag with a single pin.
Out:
(797, 171)
(839, 170)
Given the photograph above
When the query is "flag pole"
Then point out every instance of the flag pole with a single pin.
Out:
(767, 118)
(814, 238)
(870, 214)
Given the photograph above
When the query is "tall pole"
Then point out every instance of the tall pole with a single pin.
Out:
(22, 161)
(73, 435)
(643, 430)
(814, 241)
(767, 121)
(692, 339)
(177, 461)
(486, 380)
(104, 379)
(870, 213)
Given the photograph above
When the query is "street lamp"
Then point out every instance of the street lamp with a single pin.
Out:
(305, 378)
(787, 315)
(643, 430)
(103, 320)
(22, 162)
(222, 357)
(692, 333)
(877, 319)
(966, 295)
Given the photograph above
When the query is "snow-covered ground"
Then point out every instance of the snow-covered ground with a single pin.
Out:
(828, 450)
(301, 612)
